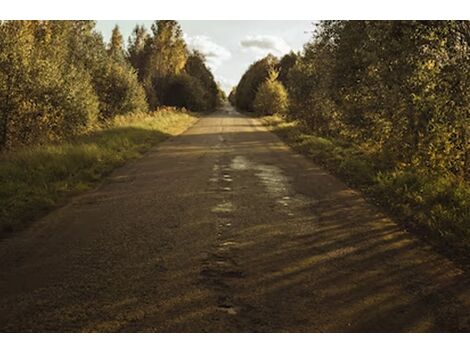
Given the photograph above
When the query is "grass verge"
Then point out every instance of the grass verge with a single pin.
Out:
(436, 206)
(35, 179)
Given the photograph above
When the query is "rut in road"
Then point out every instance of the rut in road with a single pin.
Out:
(224, 228)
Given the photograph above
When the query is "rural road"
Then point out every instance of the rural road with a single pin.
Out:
(225, 229)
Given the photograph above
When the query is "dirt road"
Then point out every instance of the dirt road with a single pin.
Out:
(225, 229)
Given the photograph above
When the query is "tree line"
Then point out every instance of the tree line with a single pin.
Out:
(400, 89)
(60, 78)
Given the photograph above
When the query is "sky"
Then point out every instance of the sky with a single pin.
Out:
(231, 46)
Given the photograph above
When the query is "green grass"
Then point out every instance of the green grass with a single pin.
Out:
(437, 206)
(38, 178)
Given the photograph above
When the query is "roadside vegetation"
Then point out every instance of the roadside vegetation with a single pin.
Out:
(34, 179)
(386, 106)
(73, 107)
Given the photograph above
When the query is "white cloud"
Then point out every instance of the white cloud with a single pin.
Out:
(215, 54)
(265, 44)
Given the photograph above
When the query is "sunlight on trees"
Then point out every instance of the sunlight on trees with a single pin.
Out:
(59, 78)
(271, 96)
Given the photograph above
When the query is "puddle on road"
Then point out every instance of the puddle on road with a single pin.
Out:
(275, 182)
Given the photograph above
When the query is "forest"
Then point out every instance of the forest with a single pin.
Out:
(384, 104)
(59, 78)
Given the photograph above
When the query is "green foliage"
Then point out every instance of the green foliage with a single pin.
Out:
(212, 94)
(186, 91)
(402, 87)
(57, 80)
(116, 45)
(271, 97)
(286, 63)
(119, 90)
(43, 96)
(243, 96)
(114, 80)
(160, 58)
(251, 80)
(136, 50)
(34, 179)
(171, 75)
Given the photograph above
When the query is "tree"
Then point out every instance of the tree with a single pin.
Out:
(165, 67)
(251, 80)
(57, 79)
(136, 50)
(401, 87)
(165, 57)
(116, 45)
(196, 67)
(271, 97)
(185, 91)
(43, 95)
(285, 65)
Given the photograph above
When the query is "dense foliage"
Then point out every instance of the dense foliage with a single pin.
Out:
(170, 73)
(59, 78)
(258, 75)
(400, 87)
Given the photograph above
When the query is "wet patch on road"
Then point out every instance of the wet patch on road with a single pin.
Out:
(276, 183)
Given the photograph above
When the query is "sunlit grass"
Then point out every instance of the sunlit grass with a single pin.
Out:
(37, 178)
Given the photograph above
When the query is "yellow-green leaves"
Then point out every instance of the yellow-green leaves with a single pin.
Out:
(271, 97)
